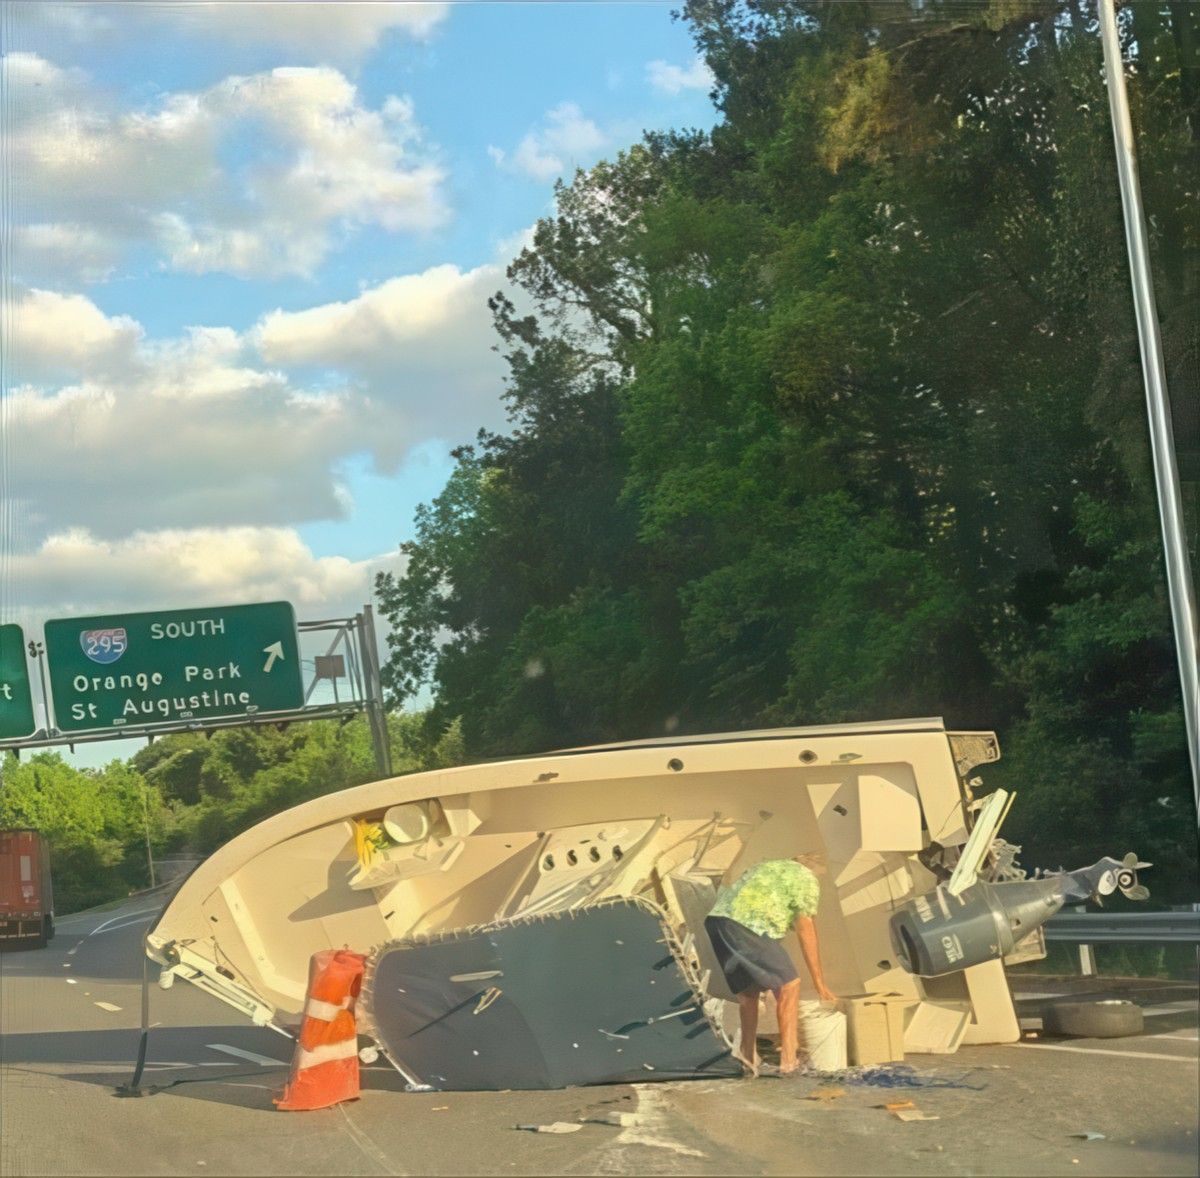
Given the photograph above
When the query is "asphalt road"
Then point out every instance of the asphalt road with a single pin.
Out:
(69, 1018)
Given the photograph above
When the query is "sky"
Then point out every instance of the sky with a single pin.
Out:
(249, 249)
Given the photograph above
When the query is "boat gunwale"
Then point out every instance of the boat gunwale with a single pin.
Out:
(232, 856)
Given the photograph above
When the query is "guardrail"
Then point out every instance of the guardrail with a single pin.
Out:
(1125, 928)
(1097, 928)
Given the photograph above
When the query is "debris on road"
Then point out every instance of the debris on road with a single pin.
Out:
(901, 1075)
(914, 1114)
(1089, 1135)
(826, 1094)
(621, 1120)
(553, 1127)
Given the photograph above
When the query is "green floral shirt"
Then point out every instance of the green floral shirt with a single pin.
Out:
(769, 897)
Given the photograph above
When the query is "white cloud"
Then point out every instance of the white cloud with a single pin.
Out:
(673, 79)
(320, 31)
(76, 573)
(112, 431)
(62, 250)
(25, 71)
(314, 32)
(177, 172)
(75, 21)
(399, 311)
(55, 334)
(424, 340)
(567, 139)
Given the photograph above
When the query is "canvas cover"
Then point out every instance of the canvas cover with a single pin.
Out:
(593, 995)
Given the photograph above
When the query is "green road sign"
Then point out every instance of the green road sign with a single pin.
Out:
(128, 670)
(16, 703)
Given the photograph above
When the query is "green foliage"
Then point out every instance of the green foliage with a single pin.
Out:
(95, 820)
(834, 412)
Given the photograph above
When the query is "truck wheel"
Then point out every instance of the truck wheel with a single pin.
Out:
(1105, 1019)
(49, 927)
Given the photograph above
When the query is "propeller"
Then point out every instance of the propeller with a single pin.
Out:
(1126, 878)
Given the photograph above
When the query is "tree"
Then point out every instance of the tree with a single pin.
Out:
(834, 412)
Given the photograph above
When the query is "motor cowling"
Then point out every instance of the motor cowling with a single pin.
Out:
(940, 933)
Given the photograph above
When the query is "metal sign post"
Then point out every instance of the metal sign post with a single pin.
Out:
(1162, 440)
(376, 714)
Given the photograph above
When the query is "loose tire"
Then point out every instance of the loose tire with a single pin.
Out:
(1104, 1019)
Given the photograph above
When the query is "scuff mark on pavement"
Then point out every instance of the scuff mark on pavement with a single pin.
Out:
(652, 1128)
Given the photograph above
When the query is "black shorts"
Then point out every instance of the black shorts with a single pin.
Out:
(749, 960)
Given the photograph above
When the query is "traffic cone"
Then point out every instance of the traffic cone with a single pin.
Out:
(325, 1066)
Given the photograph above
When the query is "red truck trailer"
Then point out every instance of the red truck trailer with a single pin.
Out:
(26, 896)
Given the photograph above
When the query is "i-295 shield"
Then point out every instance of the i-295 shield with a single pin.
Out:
(103, 646)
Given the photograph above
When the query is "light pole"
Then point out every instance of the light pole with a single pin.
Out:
(146, 817)
(1158, 408)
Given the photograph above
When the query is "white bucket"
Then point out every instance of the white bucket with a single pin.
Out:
(822, 1037)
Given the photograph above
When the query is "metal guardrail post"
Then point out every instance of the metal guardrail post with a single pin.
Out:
(1087, 961)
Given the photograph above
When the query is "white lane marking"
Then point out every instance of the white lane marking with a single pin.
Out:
(124, 1063)
(111, 926)
(1104, 1051)
(1181, 1038)
(107, 926)
(106, 1006)
(368, 1147)
(1169, 1008)
(252, 1056)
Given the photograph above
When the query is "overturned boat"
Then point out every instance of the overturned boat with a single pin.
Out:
(539, 921)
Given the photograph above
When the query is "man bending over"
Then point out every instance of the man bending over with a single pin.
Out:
(747, 926)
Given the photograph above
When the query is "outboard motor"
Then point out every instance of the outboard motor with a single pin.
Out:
(940, 933)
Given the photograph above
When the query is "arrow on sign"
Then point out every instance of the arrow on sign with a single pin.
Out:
(273, 652)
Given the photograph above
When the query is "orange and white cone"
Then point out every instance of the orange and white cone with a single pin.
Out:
(325, 1066)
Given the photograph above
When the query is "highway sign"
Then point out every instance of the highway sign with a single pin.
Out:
(16, 703)
(130, 670)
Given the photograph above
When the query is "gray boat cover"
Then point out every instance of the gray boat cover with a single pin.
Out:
(593, 995)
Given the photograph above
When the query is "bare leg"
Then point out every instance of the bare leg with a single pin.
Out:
(748, 1013)
(787, 1003)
